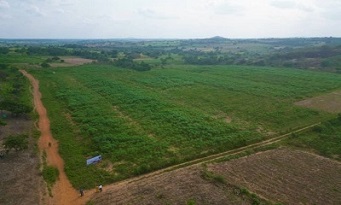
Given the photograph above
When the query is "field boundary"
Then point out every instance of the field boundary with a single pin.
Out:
(212, 157)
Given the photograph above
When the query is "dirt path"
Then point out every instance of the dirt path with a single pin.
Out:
(63, 192)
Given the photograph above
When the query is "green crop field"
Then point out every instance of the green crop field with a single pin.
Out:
(143, 121)
(20, 58)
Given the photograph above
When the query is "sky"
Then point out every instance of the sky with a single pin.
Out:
(75, 19)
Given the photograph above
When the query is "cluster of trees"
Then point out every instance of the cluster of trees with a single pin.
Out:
(47, 62)
(324, 57)
(122, 54)
(11, 91)
(4, 50)
(127, 62)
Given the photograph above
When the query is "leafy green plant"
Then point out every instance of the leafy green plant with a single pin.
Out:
(16, 142)
(50, 175)
(191, 202)
(2, 122)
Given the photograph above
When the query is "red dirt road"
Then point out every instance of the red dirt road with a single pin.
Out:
(63, 192)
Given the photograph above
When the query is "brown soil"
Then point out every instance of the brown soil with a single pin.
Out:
(19, 178)
(330, 102)
(176, 187)
(63, 192)
(71, 61)
(286, 176)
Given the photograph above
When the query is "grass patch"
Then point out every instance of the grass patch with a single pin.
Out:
(324, 139)
(50, 175)
(210, 176)
(2, 122)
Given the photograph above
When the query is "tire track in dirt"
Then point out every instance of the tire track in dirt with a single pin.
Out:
(63, 192)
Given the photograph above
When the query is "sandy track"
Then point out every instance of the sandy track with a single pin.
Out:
(63, 192)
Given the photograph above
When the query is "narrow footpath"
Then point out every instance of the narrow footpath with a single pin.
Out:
(63, 192)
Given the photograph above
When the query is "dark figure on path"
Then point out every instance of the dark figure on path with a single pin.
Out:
(81, 192)
(100, 188)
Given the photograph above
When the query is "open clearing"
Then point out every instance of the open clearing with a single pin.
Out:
(330, 102)
(19, 175)
(72, 61)
(286, 176)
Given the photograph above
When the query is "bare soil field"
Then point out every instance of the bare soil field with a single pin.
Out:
(182, 186)
(330, 102)
(285, 175)
(19, 173)
(71, 61)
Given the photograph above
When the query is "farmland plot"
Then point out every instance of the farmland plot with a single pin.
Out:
(286, 176)
(142, 121)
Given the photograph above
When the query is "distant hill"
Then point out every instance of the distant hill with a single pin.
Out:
(218, 38)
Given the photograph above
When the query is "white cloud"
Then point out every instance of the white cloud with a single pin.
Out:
(154, 14)
(227, 8)
(35, 10)
(5, 16)
(4, 4)
(283, 4)
(170, 18)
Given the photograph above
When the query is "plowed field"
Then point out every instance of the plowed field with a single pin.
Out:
(286, 176)
(182, 186)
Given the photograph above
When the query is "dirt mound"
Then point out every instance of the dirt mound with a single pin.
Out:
(286, 176)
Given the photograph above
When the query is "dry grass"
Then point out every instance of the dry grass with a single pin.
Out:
(330, 102)
(72, 61)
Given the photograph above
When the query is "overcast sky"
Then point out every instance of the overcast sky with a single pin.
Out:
(169, 18)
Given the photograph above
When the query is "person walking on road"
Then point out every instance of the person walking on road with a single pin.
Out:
(100, 188)
(81, 191)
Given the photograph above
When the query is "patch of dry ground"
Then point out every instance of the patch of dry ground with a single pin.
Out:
(330, 102)
(286, 176)
(180, 186)
(19, 173)
(71, 61)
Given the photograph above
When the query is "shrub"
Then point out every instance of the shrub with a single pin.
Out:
(2, 123)
(50, 175)
(17, 142)
(45, 65)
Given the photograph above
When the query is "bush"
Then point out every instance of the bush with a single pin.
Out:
(17, 142)
(2, 122)
(50, 175)
(45, 65)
